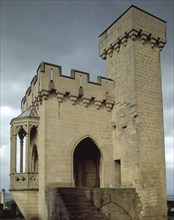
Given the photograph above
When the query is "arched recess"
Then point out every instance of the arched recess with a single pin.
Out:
(86, 162)
(115, 211)
(34, 160)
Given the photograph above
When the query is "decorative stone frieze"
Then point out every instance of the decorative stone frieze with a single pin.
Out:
(133, 35)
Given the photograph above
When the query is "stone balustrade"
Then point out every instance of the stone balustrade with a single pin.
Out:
(24, 181)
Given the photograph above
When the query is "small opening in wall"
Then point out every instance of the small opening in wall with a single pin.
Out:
(80, 91)
(51, 86)
(118, 162)
(124, 127)
(118, 173)
(92, 99)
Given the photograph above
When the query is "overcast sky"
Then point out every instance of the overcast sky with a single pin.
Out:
(66, 33)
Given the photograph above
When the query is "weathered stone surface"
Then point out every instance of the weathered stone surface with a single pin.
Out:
(91, 203)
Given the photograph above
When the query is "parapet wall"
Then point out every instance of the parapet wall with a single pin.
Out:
(49, 80)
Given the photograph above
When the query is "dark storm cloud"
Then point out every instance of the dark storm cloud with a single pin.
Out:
(65, 33)
(61, 33)
(57, 32)
(55, 27)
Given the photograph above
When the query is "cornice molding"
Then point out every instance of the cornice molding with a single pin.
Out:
(132, 35)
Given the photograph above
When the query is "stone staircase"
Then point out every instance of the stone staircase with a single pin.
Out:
(78, 206)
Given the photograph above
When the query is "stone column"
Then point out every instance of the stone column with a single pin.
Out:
(27, 152)
(21, 155)
(3, 198)
(13, 153)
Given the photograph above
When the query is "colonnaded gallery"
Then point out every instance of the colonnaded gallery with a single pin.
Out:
(95, 150)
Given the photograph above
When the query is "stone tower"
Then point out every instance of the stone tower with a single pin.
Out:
(131, 47)
(99, 145)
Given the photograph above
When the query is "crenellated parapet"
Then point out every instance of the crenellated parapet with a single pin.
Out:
(77, 88)
(133, 25)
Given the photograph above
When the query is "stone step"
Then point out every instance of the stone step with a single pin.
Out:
(78, 205)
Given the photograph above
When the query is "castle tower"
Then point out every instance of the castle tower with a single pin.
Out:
(131, 47)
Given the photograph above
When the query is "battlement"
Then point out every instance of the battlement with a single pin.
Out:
(49, 80)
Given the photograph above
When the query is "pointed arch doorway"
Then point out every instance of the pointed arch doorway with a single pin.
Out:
(86, 161)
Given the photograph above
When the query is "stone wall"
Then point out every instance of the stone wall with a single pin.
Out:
(27, 201)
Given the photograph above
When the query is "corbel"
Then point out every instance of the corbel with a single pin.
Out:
(117, 47)
(153, 42)
(97, 104)
(73, 99)
(60, 97)
(85, 102)
(133, 34)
